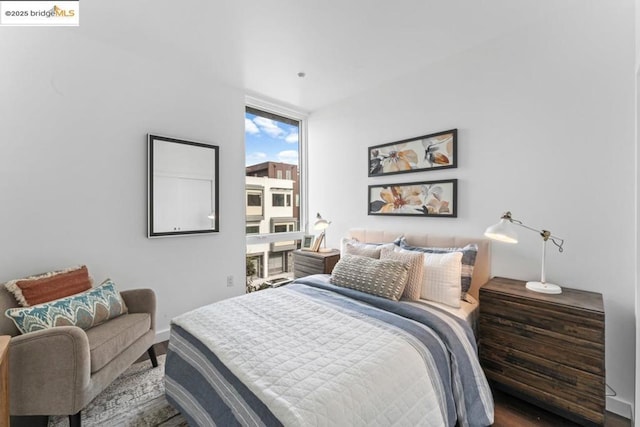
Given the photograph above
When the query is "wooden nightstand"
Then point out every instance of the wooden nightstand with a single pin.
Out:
(547, 349)
(306, 263)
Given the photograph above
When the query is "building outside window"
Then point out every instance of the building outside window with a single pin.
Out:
(272, 145)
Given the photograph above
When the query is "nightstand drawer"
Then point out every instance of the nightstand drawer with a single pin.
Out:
(308, 262)
(552, 318)
(550, 395)
(543, 374)
(567, 350)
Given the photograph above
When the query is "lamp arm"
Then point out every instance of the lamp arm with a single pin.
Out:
(545, 234)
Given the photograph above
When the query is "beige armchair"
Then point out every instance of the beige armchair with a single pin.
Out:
(58, 371)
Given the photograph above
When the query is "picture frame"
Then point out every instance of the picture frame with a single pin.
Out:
(307, 242)
(424, 153)
(438, 199)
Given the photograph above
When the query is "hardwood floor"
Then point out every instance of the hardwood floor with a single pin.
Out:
(509, 411)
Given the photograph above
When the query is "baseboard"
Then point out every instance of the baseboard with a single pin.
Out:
(162, 335)
(619, 407)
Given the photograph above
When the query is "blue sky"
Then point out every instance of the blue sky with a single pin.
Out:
(269, 140)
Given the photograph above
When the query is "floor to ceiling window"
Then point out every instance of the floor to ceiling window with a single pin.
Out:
(274, 187)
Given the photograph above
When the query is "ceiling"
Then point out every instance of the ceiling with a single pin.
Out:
(344, 47)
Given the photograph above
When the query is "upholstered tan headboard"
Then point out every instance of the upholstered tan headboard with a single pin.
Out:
(481, 270)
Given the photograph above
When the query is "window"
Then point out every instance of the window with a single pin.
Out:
(274, 144)
(254, 193)
(256, 260)
(276, 263)
(277, 199)
(254, 199)
(283, 225)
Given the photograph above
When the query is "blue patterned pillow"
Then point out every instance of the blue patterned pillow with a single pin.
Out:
(85, 310)
(469, 254)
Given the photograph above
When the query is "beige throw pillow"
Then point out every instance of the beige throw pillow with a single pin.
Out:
(415, 262)
(354, 247)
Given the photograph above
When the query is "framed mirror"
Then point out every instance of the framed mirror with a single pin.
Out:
(183, 187)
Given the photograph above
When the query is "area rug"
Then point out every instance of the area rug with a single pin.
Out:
(135, 399)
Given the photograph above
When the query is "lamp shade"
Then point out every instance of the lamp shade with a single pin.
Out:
(321, 223)
(502, 231)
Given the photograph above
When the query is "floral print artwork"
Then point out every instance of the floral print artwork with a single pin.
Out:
(427, 152)
(435, 198)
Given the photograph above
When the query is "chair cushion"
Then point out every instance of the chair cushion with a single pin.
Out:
(108, 340)
(84, 310)
(50, 286)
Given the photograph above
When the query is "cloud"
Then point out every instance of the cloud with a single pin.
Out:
(255, 158)
(292, 138)
(250, 127)
(268, 126)
(288, 156)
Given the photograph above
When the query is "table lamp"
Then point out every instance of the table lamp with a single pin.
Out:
(503, 231)
(322, 224)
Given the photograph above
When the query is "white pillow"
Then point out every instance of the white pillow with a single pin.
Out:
(441, 280)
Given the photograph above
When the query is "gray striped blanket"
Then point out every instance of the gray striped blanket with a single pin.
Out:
(312, 354)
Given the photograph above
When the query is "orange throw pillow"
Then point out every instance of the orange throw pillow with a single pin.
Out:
(50, 286)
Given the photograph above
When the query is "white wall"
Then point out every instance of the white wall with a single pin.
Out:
(74, 114)
(546, 130)
(637, 136)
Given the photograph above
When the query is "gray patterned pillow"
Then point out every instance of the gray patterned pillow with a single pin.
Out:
(382, 277)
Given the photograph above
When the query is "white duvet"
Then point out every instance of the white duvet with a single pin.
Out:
(313, 364)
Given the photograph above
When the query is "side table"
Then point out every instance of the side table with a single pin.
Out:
(306, 263)
(547, 349)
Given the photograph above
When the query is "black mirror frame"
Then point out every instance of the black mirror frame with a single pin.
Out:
(151, 138)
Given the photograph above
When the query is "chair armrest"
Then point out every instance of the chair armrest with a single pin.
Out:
(141, 301)
(48, 369)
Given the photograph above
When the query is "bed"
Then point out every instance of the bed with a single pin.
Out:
(315, 353)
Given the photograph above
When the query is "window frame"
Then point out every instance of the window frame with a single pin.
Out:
(252, 224)
(301, 117)
(277, 195)
(254, 193)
